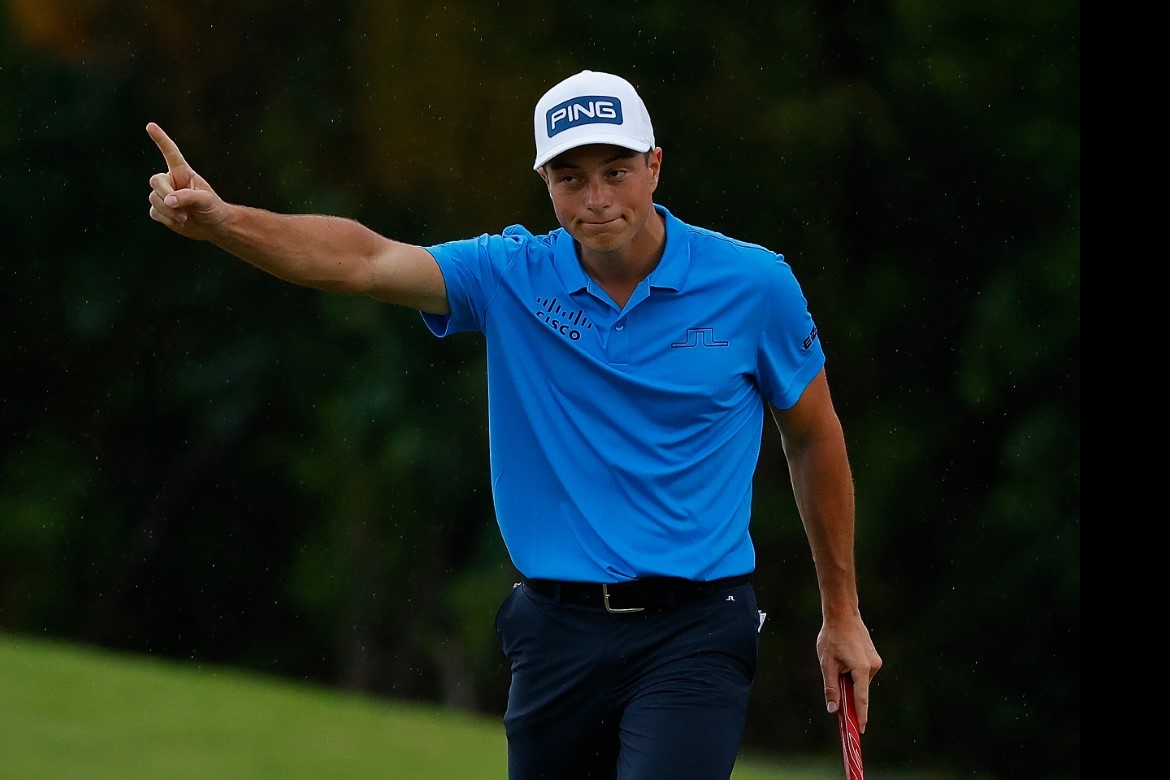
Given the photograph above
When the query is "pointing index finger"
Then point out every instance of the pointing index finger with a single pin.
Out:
(170, 151)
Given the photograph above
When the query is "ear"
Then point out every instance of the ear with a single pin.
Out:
(654, 163)
(543, 171)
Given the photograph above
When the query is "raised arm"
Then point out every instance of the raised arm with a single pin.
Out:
(822, 483)
(329, 253)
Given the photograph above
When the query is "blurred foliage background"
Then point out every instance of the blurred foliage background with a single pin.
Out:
(201, 462)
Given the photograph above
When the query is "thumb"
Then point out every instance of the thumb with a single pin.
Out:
(194, 202)
(833, 692)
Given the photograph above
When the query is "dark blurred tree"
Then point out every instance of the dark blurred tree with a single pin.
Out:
(200, 461)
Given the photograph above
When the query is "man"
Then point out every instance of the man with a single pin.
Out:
(630, 360)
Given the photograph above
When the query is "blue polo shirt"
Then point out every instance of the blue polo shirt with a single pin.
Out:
(623, 440)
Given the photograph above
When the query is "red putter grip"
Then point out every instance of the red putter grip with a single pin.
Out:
(850, 732)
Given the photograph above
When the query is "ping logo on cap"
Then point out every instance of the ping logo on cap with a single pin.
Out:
(583, 110)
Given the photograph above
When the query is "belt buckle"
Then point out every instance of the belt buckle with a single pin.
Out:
(616, 610)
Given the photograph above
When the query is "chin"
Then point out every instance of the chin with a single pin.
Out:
(601, 240)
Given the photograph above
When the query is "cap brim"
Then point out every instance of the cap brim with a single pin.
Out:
(600, 138)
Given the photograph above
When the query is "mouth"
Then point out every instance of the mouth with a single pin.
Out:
(598, 223)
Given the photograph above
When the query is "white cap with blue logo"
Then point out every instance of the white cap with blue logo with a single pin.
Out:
(590, 108)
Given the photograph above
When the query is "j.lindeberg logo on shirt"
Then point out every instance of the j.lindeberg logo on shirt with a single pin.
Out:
(699, 337)
(568, 324)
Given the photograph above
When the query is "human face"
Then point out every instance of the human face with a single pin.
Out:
(604, 196)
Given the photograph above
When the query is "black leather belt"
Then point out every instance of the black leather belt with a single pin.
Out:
(633, 596)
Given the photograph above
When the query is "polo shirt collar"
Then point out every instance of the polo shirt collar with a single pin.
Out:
(676, 257)
(668, 275)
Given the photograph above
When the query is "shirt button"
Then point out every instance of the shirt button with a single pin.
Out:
(620, 326)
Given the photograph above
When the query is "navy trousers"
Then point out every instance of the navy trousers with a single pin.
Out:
(656, 694)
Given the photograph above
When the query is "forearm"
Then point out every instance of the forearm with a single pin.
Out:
(822, 483)
(329, 253)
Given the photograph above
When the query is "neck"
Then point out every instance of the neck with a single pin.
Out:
(619, 271)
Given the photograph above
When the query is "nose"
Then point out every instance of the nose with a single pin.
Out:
(596, 194)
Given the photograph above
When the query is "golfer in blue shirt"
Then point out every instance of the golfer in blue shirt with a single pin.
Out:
(631, 361)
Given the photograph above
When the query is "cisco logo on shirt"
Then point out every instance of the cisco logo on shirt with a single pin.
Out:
(583, 110)
(568, 323)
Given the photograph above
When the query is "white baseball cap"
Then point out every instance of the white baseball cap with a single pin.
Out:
(590, 108)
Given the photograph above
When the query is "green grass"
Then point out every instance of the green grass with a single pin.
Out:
(73, 712)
